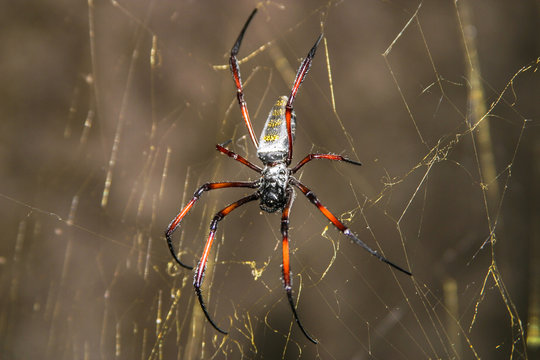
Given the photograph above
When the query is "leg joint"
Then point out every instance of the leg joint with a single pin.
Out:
(284, 226)
(214, 222)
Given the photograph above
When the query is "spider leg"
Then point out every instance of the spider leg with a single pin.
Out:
(238, 158)
(310, 157)
(235, 69)
(205, 187)
(201, 267)
(287, 284)
(338, 224)
(300, 75)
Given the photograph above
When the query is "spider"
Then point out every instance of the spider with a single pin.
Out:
(274, 188)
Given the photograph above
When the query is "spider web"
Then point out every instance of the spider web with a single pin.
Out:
(111, 112)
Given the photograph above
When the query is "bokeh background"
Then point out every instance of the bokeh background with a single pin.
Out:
(110, 112)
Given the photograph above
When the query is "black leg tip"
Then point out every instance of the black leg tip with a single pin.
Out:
(203, 307)
(293, 308)
(352, 162)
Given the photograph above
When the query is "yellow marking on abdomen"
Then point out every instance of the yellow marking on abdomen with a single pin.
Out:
(270, 138)
(274, 123)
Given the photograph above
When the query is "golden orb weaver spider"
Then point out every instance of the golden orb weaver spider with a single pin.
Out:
(275, 186)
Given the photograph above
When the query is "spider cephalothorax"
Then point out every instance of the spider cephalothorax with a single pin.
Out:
(275, 187)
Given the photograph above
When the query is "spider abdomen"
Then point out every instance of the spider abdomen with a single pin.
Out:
(274, 142)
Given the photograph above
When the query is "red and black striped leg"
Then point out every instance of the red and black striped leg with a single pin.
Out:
(206, 187)
(199, 273)
(287, 283)
(300, 75)
(238, 158)
(345, 230)
(235, 69)
(310, 157)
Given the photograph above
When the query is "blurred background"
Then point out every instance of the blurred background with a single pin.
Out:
(110, 115)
